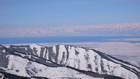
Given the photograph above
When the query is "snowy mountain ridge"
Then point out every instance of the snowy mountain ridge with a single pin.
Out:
(63, 61)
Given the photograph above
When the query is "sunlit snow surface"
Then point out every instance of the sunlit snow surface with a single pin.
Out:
(123, 50)
(118, 49)
(37, 69)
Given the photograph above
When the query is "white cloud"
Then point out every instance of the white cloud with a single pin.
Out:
(127, 29)
(130, 39)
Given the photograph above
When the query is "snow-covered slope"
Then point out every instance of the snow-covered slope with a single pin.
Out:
(63, 61)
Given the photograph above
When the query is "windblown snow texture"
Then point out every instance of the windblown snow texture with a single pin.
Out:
(63, 61)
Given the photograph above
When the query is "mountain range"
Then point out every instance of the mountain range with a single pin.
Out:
(62, 62)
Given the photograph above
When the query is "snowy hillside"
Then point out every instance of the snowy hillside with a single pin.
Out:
(60, 61)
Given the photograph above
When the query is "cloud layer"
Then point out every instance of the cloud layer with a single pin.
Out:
(120, 29)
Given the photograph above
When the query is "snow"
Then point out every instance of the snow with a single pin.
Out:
(123, 50)
(62, 50)
(17, 63)
(44, 53)
(126, 65)
(3, 50)
(41, 70)
(1, 76)
(32, 46)
(47, 55)
(80, 57)
(92, 59)
(78, 61)
(134, 63)
(54, 52)
(59, 72)
(72, 57)
(119, 71)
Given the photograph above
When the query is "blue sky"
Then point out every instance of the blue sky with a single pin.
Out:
(39, 14)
